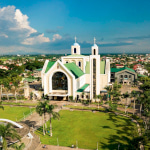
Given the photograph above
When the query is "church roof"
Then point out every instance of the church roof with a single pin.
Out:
(102, 67)
(75, 44)
(75, 55)
(120, 69)
(75, 70)
(49, 65)
(83, 88)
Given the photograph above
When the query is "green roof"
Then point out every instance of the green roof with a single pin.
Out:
(102, 67)
(75, 70)
(83, 88)
(49, 65)
(120, 69)
(141, 75)
(75, 55)
(87, 67)
(28, 79)
(38, 69)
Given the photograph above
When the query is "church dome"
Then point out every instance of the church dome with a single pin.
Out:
(95, 45)
(75, 44)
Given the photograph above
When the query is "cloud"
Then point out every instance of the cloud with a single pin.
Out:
(16, 28)
(4, 35)
(51, 31)
(36, 40)
(135, 37)
(114, 44)
(57, 37)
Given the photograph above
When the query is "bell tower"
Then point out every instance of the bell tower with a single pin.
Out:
(75, 48)
(94, 71)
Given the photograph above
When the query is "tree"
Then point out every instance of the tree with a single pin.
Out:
(126, 95)
(16, 80)
(41, 109)
(19, 147)
(7, 131)
(51, 113)
(1, 83)
(7, 85)
(1, 107)
(134, 94)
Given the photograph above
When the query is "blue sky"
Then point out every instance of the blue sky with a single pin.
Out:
(49, 26)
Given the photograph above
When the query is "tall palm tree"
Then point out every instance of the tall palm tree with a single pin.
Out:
(54, 114)
(41, 109)
(134, 95)
(126, 95)
(16, 80)
(7, 131)
(1, 83)
(1, 107)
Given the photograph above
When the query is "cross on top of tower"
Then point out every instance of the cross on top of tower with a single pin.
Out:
(75, 39)
(94, 40)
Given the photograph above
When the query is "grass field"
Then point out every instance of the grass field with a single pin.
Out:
(88, 128)
(13, 113)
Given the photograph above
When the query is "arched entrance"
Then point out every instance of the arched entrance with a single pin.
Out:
(59, 81)
(59, 86)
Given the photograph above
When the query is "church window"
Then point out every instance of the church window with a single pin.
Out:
(59, 81)
(75, 50)
(79, 64)
(94, 52)
(125, 76)
(94, 77)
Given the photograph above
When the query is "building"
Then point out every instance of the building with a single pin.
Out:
(123, 75)
(80, 76)
(37, 73)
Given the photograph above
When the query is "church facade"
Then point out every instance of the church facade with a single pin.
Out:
(76, 75)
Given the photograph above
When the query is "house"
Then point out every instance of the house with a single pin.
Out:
(123, 75)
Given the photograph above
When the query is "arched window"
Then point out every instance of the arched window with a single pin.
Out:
(79, 64)
(75, 50)
(94, 52)
(125, 76)
(59, 81)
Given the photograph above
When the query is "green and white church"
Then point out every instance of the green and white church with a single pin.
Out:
(76, 74)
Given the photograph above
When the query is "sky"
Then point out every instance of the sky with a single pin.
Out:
(49, 26)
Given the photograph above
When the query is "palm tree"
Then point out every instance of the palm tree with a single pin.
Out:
(134, 95)
(126, 95)
(1, 83)
(7, 131)
(16, 80)
(41, 109)
(54, 114)
(1, 107)
(18, 147)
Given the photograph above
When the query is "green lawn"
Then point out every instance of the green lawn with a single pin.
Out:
(89, 128)
(13, 112)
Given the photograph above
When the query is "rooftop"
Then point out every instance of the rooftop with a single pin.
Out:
(83, 88)
(75, 70)
(49, 65)
(75, 55)
(120, 69)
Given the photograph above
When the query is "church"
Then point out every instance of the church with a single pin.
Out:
(76, 75)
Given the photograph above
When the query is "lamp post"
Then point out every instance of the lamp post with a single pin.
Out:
(97, 146)
(76, 144)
